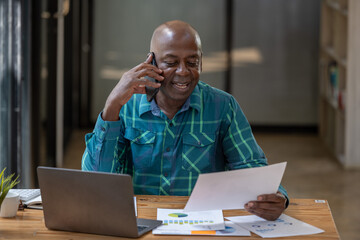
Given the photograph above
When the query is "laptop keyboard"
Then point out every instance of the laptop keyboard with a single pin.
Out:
(140, 228)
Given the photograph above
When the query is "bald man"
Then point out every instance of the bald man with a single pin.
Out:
(188, 128)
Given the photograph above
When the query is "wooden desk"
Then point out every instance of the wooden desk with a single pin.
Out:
(29, 224)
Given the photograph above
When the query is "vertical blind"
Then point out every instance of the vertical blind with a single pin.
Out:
(12, 119)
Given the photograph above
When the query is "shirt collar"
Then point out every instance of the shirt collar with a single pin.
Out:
(195, 98)
(193, 101)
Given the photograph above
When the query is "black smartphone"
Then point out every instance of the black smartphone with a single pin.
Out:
(150, 91)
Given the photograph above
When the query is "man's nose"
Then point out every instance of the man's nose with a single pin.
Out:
(182, 69)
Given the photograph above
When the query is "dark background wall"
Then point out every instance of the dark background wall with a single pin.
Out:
(274, 51)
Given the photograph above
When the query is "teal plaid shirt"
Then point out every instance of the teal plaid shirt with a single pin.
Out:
(165, 156)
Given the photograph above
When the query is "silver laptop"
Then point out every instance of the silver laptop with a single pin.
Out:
(90, 202)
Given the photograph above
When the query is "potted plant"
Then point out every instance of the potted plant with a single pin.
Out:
(6, 183)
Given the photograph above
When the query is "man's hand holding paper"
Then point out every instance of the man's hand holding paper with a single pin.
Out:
(255, 189)
(267, 206)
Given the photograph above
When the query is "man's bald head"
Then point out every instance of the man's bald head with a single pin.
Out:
(174, 30)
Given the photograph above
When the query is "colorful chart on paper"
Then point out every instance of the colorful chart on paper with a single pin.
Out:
(177, 215)
(177, 219)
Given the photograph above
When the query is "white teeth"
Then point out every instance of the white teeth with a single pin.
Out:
(181, 85)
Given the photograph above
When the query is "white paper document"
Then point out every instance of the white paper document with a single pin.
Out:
(178, 219)
(284, 226)
(233, 189)
(231, 229)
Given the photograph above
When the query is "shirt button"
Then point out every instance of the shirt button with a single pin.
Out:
(171, 124)
(103, 129)
(168, 149)
(165, 174)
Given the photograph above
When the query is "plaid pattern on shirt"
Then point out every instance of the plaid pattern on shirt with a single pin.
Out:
(165, 156)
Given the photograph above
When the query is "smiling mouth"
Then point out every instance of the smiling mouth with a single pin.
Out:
(181, 85)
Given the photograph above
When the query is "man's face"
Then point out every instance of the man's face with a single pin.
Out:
(180, 59)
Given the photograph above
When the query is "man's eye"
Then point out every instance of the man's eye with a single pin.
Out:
(193, 64)
(170, 64)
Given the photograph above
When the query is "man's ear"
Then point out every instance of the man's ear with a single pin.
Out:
(200, 63)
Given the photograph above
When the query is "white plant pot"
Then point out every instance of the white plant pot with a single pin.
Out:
(10, 205)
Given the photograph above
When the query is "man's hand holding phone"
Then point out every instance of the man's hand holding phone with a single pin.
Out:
(132, 82)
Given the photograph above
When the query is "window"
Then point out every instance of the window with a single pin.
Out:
(14, 81)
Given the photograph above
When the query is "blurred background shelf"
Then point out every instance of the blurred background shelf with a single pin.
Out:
(339, 111)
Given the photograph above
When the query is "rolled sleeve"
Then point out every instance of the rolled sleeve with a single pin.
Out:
(102, 147)
(107, 130)
(283, 192)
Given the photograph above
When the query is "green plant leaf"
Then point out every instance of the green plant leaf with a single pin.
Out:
(6, 184)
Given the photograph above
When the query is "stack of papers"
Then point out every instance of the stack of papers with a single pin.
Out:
(179, 222)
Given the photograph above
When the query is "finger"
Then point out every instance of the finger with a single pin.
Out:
(151, 74)
(268, 215)
(258, 207)
(268, 205)
(270, 197)
(146, 82)
(149, 58)
(273, 198)
(263, 212)
(147, 66)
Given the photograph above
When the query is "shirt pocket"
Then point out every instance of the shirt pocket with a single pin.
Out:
(142, 145)
(198, 152)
